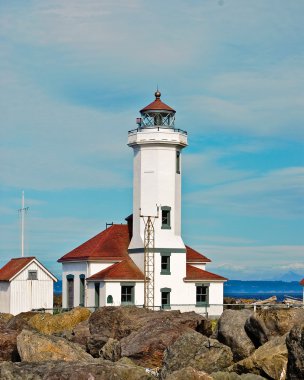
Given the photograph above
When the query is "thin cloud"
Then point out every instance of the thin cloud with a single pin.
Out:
(276, 193)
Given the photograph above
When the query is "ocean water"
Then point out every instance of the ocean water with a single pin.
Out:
(249, 289)
(262, 289)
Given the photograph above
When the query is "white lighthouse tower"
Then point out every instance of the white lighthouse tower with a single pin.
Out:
(157, 146)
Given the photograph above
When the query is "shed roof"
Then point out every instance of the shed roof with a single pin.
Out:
(110, 244)
(124, 270)
(14, 266)
(193, 273)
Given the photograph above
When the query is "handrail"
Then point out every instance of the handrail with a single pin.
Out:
(139, 129)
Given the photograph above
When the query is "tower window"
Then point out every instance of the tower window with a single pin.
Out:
(178, 162)
(165, 217)
(202, 295)
(165, 263)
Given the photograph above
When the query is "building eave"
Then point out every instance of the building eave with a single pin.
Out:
(203, 280)
(115, 280)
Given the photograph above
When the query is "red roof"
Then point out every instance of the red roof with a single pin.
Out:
(13, 267)
(302, 282)
(195, 257)
(157, 105)
(193, 273)
(125, 270)
(110, 244)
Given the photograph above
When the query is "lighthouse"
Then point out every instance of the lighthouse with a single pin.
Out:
(145, 262)
(157, 171)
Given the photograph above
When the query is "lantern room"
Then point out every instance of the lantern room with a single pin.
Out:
(156, 114)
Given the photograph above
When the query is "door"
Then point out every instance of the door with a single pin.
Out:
(96, 294)
(70, 289)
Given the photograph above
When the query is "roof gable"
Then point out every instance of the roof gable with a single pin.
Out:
(124, 270)
(110, 244)
(302, 282)
(195, 257)
(193, 273)
(17, 265)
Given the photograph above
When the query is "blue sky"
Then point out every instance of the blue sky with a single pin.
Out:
(73, 76)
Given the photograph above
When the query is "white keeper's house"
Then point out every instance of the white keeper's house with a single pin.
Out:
(25, 284)
(145, 262)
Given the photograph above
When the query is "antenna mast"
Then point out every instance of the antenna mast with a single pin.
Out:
(22, 211)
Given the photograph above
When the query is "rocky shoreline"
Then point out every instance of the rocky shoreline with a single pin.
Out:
(131, 343)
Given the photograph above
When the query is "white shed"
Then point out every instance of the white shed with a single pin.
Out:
(25, 284)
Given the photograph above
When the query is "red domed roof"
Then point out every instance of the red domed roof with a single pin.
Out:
(157, 105)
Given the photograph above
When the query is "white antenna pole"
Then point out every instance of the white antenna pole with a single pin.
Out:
(22, 225)
(22, 211)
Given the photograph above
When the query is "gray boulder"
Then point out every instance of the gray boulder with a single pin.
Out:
(33, 346)
(269, 360)
(197, 351)
(21, 321)
(231, 332)
(256, 330)
(79, 334)
(111, 350)
(189, 373)
(146, 346)
(266, 324)
(8, 345)
(119, 322)
(235, 376)
(55, 370)
(295, 346)
(95, 343)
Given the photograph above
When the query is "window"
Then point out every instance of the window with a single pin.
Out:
(127, 294)
(165, 298)
(202, 294)
(165, 263)
(178, 162)
(96, 286)
(81, 289)
(32, 275)
(165, 217)
(109, 299)
(70, 290)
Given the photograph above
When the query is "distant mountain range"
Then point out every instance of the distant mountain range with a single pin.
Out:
(289, 277)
